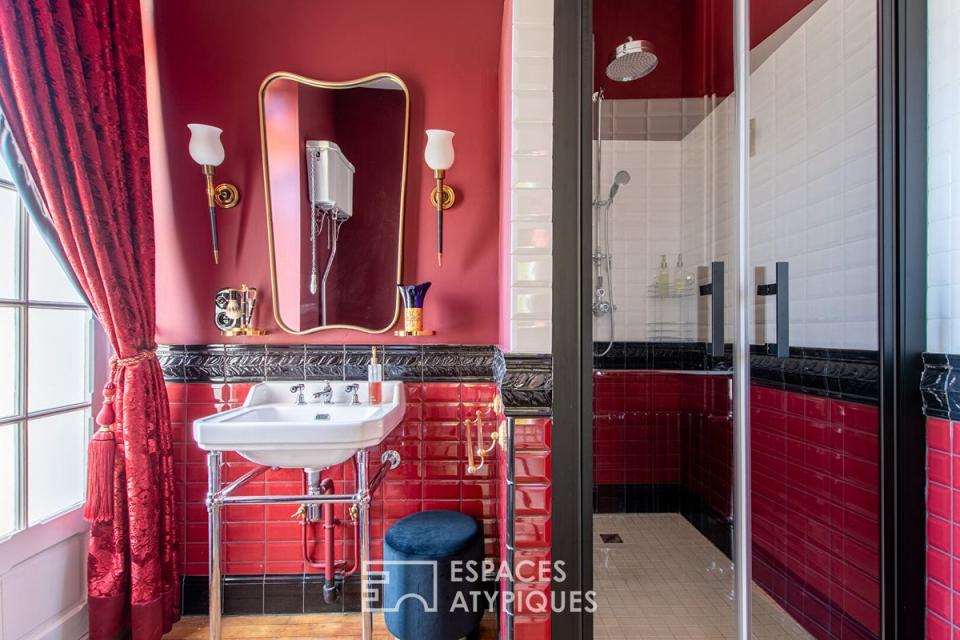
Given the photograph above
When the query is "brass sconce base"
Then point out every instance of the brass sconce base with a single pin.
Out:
(449, 197)
(243, 331)
(226, 195)
(402, 333)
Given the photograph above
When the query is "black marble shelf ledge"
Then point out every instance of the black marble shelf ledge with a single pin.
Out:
(846, 374)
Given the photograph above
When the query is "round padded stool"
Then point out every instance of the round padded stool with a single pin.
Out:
(416, 549)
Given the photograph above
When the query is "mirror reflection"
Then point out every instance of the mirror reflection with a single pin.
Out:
(334, 164)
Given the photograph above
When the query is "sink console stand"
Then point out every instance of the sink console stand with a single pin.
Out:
(219, 496)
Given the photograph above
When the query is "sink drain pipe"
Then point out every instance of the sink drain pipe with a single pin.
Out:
(316, 487)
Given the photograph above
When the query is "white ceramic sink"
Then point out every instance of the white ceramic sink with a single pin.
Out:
(272, 429)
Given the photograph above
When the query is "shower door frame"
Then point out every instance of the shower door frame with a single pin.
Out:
(901, 246)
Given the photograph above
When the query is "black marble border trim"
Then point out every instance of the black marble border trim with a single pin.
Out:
(259, 362)
(525, 382)
(845, 374)
(940, 386)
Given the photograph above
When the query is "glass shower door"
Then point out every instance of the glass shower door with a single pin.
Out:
(812, 317)
(662, 385)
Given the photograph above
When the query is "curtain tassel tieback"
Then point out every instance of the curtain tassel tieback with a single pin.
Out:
(101, 451)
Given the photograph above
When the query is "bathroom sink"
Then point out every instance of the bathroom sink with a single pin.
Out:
(272, 429)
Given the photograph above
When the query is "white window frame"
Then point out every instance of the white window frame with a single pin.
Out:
(18, 544)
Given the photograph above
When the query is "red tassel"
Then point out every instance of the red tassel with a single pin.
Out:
(100, 460)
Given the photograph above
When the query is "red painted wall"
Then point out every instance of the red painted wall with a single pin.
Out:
(206, 66)
(693, 38)
(655, 20)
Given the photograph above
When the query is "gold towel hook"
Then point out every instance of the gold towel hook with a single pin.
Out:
(498, 437)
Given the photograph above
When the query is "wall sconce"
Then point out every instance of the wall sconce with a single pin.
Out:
(207, 151)
(439, 156)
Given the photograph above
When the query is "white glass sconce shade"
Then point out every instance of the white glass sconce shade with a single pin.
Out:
(438, 153)
(205, 145)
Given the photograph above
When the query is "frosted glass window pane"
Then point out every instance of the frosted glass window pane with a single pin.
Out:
(56, 452)
(48, 282)
(9, 361)
(57, 357)
(9, 244)
(8, 479)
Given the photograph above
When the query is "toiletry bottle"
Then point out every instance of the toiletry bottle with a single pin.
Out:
(375, 379)
(678, 275)
(663, 278)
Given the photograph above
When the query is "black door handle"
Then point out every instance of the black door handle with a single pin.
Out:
(780, 289)
(715, 290)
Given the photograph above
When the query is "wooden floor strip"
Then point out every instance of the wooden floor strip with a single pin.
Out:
(323, 625)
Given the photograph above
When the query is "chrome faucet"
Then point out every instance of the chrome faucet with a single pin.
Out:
(325, 394)
(353, 388)
(298, 389)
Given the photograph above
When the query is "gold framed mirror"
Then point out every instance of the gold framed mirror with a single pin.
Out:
(334, 177)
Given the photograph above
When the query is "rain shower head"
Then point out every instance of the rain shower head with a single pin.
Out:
(632, 60)
(619, 180)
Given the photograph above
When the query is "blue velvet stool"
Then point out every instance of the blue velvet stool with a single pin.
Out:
(412, 548)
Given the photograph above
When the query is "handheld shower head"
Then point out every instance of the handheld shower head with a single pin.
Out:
(632, 60)
(619, 180)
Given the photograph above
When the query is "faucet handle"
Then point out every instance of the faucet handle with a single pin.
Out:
(297, 388)
(354, 389)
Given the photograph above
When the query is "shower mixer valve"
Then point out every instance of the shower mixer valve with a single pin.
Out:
(603, 308)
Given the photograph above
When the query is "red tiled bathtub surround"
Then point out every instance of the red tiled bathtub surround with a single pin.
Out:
(816, 504)
(943, 529)
(264, 539)
(531, 528)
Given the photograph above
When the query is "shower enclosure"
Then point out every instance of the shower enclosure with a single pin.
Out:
(735, 433)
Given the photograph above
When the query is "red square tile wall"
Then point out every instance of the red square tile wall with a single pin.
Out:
(943, 529)
(636, 426)
(816, 501)
(531, 527)
(264, 539)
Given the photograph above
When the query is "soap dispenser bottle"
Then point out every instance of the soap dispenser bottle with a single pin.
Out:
(663, 277)
(679, 283)
(375, 379)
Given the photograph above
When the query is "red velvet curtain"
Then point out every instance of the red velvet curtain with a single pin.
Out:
(73, 89)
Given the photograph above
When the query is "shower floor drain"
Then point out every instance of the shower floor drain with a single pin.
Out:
(611, 538)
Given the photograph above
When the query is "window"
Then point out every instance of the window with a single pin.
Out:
(46, 357)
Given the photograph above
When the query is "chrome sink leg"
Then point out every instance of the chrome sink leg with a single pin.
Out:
(363, 522)
(213, 524)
